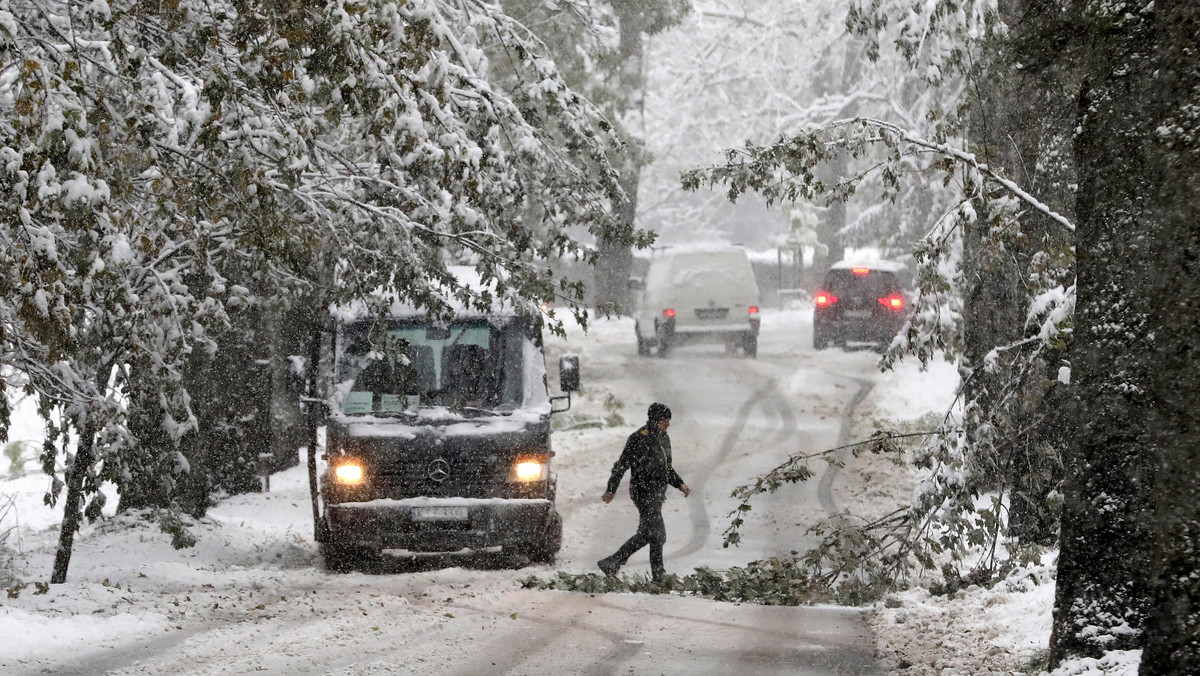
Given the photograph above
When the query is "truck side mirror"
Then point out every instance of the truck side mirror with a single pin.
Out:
(568, 372)
(635, 284)
(317, 408)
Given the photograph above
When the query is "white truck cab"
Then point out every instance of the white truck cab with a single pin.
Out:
(697, 293)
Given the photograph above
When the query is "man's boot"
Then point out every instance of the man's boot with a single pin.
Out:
(608, 566)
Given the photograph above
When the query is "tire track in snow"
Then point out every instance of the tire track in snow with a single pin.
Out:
(825, 487)
(698, 511)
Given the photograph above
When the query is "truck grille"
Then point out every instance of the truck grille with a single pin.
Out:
(441, 477)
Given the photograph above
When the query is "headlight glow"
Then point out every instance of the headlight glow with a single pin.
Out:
(349, 473)
(529, 471)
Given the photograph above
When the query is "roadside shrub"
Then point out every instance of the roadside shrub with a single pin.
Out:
(8, 576)
(14, 451)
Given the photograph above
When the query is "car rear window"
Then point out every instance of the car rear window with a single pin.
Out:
(878, 283)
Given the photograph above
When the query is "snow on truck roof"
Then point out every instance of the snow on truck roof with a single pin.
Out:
(467, 276)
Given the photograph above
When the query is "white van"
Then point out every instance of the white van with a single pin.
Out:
(697, 293)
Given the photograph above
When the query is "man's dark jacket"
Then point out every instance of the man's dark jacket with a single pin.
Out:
(647, 456)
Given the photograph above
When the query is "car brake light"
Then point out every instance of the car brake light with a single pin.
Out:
(861, 271)
(753, 309)
(894, 302)
(668, 312)
(825, 299)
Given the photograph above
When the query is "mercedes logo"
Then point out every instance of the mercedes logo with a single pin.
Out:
(438, 470)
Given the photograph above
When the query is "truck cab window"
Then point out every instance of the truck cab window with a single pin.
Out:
(464, 364)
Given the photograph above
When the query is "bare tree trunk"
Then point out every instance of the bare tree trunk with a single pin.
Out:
(1111, 468)
(76, 472)
(615, 259)
(1172, 631)
(72, 509)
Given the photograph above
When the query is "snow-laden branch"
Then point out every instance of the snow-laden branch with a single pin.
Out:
(962, 157)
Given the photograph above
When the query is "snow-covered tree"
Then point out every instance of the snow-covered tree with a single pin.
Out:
(165, 165)
(1130, 541)
(739, 71)
(600, 49)
(1104, 91)
(995, 286)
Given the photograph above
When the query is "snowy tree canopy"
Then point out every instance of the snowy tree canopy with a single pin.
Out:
(165, 164)
(739, 72)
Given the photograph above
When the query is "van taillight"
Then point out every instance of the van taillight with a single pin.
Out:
(861, 271)
(753, 309)
(893, 302)
(825, 299)
(668, 312)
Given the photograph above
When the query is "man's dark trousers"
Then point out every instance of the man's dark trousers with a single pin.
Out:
(651, 531)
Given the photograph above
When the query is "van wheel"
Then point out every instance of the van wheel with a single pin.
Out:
(664, 346)
(750, 346)
(643, 345)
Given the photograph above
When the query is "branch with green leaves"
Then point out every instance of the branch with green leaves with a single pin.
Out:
(795, 470)
(787, 169)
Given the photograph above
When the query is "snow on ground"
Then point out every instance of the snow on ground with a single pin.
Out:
(974, 631)
(255, 561)
(1002, 630)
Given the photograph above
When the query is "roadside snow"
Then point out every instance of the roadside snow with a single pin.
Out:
(974, 631)
(1002, 630)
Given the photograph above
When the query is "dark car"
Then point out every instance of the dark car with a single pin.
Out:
(859, 304)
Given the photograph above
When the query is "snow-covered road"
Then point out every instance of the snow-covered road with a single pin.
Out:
(252, 596)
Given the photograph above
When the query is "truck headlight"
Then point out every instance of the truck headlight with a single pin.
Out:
(348, 473)
(530, 470)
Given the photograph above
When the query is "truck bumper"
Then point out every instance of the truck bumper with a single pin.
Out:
(436, 524)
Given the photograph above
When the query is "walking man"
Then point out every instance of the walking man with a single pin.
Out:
(647, 456)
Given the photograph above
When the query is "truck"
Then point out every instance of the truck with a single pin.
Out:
(438, 438)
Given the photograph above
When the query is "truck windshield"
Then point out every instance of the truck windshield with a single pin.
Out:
(397, 366)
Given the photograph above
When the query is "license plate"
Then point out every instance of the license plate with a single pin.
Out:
(858, 314)
(711, 312)
(440, 514)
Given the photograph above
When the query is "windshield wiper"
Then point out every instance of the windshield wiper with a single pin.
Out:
(485, 411)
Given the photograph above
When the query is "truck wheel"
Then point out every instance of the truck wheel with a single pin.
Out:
(750, 346)
(544, 549)
(344, 559)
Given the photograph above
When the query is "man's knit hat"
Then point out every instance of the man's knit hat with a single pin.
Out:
(658, 412)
